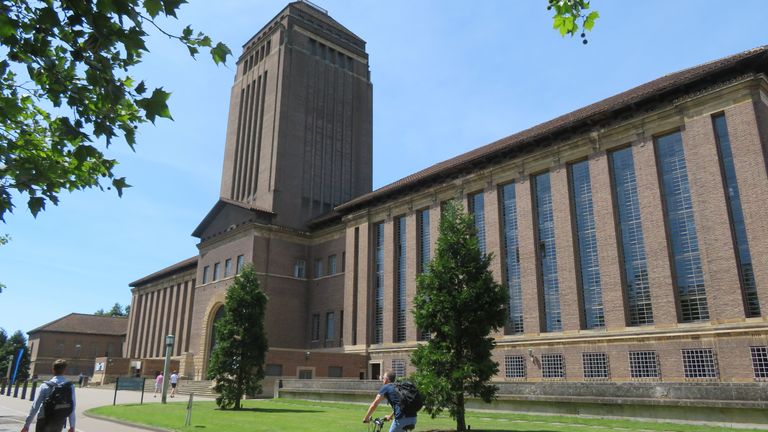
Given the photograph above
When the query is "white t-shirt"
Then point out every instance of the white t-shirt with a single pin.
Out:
(174, 378)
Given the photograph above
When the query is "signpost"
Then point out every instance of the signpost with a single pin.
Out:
(129, 383)
(168, 349)
(188, 419)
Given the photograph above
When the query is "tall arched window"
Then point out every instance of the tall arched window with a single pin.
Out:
(212, 336)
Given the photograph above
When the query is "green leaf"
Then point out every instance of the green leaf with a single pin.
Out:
(141, 88)
(220, 53)
(7, 26)
(36, 204)
(120, 184)
(153, 7)
(171, 6)
(156, 105)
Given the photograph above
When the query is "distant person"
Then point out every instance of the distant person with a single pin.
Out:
(158, 382)
(390, 392)
(57, 399)
(174, 382)
(80, 380)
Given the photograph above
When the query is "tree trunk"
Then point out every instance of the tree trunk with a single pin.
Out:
(460, 423)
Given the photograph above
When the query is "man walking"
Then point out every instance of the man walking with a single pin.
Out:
(57, 399)
(174, 382)
(388, 391)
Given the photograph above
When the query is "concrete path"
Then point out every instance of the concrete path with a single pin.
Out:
(13, 411)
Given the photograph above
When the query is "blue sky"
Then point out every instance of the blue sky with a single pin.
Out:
(448, 76)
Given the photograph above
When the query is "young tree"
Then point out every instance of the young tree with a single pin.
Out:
(237, 360)
(116, 311)
(459, 303)
(9, 352)
(65, 82)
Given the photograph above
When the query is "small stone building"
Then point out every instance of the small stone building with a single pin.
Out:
(77, 338)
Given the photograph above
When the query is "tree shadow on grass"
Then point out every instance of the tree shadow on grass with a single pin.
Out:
(270, 411)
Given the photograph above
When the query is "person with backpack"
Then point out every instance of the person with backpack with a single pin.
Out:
(404, 400)
(55, 403)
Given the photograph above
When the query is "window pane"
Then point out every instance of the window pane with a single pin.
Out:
(552, 366)
(595, 366)
(699, 363)
(378, 284)
(477, 209)
(638, 290)
(217, 271)
(240, 263)
(512, 259)
(228, 267)
(332, 265)
(400, 273)
(644, 364)
(586, 235)
(547, 252)
(748, 285)
(688, 275)
(514, 367)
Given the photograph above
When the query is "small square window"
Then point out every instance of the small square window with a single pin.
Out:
(398, 366)
(595, 365)
(273, 370)
(217, 271)
(552, 366)
(228, 267)
(700, 363)
(335, 372)
(300, 269)
(760, 362)
(206, 270)
(644, 365)
(514, 367)
(240, 263)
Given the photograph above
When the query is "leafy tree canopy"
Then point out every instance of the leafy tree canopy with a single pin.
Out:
(237, 360)
(458, 302)
(116, 311)
(9, 350)
(568, 15)
(66, 85)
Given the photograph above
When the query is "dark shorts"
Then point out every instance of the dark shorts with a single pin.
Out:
(173, 385)
(44, 426)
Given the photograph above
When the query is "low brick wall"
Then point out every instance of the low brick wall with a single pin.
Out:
(706, 402)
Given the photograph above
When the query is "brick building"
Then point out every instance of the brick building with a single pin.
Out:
(631, 233)
(77, 338)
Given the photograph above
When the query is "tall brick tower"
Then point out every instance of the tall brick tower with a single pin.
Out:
(299, 130)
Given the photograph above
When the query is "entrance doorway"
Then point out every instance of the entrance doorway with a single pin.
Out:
(375, 369)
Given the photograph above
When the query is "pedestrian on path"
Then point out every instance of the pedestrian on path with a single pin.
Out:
(57, 399)
(174, 382)
(158, 382)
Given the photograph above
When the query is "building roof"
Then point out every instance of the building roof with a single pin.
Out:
(590, 115)
(187, 264)
(87, 324)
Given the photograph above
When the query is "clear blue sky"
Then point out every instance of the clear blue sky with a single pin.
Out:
(448, 76)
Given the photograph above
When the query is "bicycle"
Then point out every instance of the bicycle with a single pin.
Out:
(378, 423)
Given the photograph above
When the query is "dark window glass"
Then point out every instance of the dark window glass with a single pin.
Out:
(552, 366)
(228, 267)
(644, 365)
(315, 327)
(688, 275)
(747, 275)
(595, 365)
(512, 259)
(217, 271)
(423, 236)
(330, 330)
(547, 253)
(378, 284)
(700, 363)
(332, 265)
(206, 269)
(632, 242)
(477, 209)
(273, 370)
(514, 367)
(240, 264)
(586, 235)
(759, 362)
(400, 265)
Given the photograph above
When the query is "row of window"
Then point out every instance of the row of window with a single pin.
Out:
(79, 349)
(330, 327)
(300, 266)
(688, 278)
(208, 277)
(330, 55)
(698, 363)
(257, 56)
(276, 370)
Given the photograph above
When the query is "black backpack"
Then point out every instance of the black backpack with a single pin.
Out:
(410, 398)
(58, 405)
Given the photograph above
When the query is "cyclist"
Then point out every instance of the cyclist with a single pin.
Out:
(388, 391)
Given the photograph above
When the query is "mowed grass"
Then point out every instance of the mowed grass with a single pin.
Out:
(300, 416)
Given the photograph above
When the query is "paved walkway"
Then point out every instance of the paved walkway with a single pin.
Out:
(13, 411)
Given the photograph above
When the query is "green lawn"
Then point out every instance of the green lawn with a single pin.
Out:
(300, 416)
